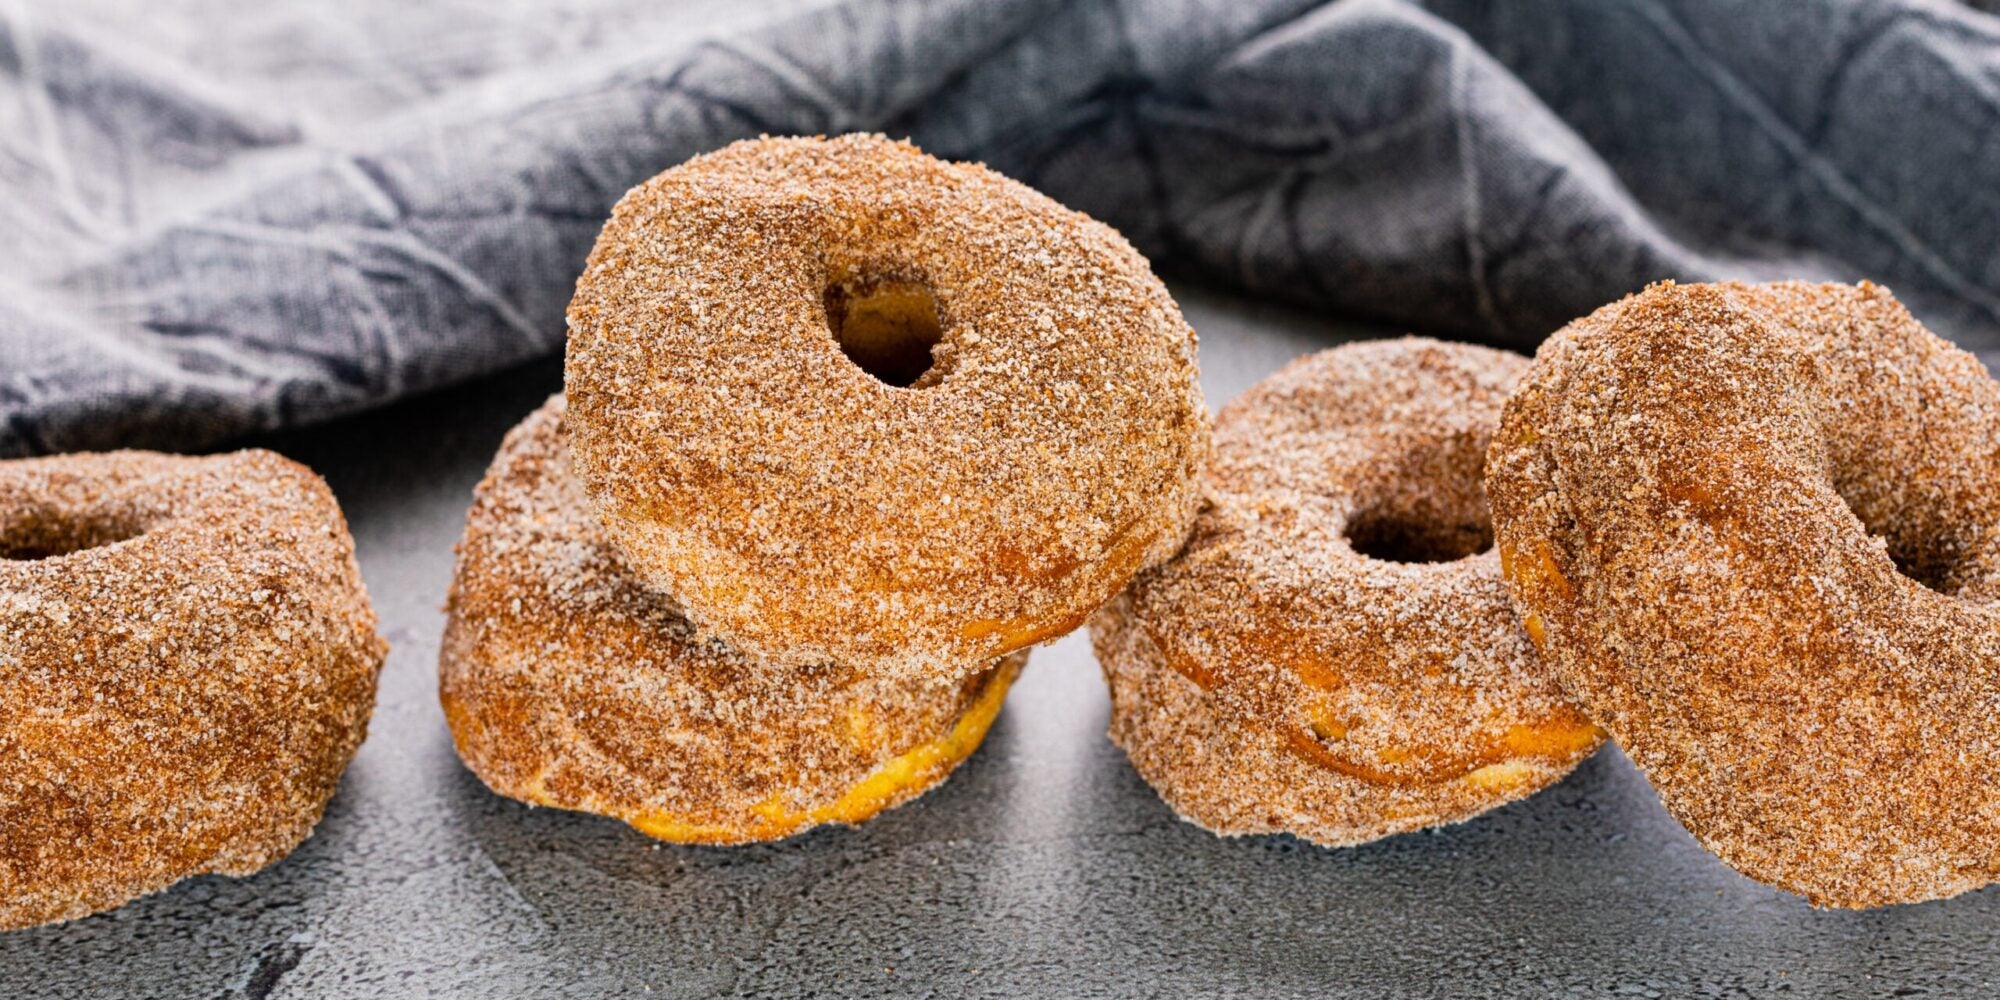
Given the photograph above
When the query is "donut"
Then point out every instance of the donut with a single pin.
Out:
(1756, 533)
(187, 663)
(1333, 654)
(846, 402)
(568, 683)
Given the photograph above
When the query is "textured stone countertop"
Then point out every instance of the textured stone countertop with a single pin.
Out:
(1043, 867)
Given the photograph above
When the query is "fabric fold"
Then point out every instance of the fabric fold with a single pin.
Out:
(238, 215)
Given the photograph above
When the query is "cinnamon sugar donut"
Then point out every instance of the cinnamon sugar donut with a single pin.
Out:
(567, 683)
(848, 402)
(187, 663)
(1334, 654)
(1704, 494)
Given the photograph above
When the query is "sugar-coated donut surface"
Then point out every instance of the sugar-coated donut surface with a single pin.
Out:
(806, 510)
(187, 663)
(1703, 494)
(1273, 678)
(568, 683)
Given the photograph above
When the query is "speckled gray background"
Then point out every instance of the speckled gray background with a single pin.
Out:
(1044, 867)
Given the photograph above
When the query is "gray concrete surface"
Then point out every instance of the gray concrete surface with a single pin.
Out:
(1044, 867)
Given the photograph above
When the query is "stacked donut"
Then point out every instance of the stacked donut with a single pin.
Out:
(846, 429)
(1751, 531)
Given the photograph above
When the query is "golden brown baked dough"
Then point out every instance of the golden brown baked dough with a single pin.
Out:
(1273, 678)
(568, 683)
(1703, 494)
(187, 663)
(807, 510)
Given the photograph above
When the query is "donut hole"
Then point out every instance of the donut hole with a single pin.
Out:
(36, 538)
(1411, 536)
(1925, 565)
(1932, 561)
(1426, 503)
(1924, 538)
(887, 328)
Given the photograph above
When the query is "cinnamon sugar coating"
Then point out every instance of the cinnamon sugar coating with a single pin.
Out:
(187, 663)
(1272, 677)
(1237, 776)
(569, 683)
(806, 510)
(1704, 493)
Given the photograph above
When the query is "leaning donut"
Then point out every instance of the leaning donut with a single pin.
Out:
(187, 662)
(1756, 530)
(848, 402)
(568, 683)
(1334, 654)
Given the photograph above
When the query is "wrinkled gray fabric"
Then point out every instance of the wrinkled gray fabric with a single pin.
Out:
(230, 215)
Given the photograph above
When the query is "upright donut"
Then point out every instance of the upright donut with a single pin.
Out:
(187, 663)
(568, 683)
(1334, 654)
(1756, 531)
(847, 402)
